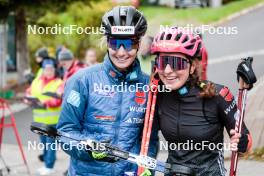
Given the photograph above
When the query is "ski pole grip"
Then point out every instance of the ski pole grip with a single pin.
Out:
(246, 73)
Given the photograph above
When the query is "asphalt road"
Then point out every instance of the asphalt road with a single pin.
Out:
(248, 39)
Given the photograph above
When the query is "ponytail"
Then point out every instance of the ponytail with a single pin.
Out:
(207, 88)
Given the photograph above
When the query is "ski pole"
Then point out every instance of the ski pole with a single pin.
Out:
(241, 107)
(246, 78)
(114, 151)
(149, 117)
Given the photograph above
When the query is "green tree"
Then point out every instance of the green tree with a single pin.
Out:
(28, 12)
(79, 14)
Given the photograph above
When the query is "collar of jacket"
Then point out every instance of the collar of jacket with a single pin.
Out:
(187, 90)
(133, 74)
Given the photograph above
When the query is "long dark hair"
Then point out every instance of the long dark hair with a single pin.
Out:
(207, 88)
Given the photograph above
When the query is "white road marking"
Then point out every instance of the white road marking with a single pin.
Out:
(235, 57)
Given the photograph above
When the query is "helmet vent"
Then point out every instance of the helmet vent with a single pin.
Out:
(168, 37)
(189, 47)
(185, 39)
(177, 38)
(198, 51)
(111, 20)
(162, 36)
(123, 20)
(193, 40)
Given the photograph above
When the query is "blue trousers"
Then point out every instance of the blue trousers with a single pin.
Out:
(49, 153)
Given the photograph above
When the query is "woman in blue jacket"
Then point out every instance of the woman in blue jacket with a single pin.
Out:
(103, 103)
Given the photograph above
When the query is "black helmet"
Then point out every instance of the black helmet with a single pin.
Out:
(124, 21)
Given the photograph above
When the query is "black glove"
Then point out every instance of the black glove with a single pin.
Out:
(245, 71)
(243, 143)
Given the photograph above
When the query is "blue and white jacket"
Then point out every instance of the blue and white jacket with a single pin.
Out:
(95, 109)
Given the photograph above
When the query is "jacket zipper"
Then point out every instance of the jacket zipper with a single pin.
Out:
(119, 113)
(178, 120)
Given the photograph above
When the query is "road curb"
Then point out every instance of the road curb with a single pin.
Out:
(238, 14)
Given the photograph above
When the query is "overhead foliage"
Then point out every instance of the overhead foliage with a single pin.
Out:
(78, 13)
(47, 13)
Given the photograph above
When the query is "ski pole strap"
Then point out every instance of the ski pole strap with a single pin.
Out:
(179, 170)
(245, 71)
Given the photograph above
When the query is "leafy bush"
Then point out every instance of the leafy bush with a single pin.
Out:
(79, 14)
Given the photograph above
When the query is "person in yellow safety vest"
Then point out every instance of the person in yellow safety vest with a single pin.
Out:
(40, 55)
(46, 109)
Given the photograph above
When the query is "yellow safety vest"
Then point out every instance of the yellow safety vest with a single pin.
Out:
(39, 73)
(49, 116)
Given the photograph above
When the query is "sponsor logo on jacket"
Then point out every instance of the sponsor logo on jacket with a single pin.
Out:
(140, 98)
(134, 120)
(137, 109)
(230, 107)
(226, 94)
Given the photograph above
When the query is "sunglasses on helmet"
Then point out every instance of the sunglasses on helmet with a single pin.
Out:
(128, 44)
(175, 62)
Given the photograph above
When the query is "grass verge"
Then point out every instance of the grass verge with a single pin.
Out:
(195, 15)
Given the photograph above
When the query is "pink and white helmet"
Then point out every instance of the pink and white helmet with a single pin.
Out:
(174, 40)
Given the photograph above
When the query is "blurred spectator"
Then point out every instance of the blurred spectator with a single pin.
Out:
(46, 109)
(145, 56)
(70, 66)
(60, 69)
(145, 46)
(90, 57)
(40, 55)
(59, 48)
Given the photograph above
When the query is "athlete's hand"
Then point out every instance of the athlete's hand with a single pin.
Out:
(146, 173)
(234, 140)
(98, 155)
